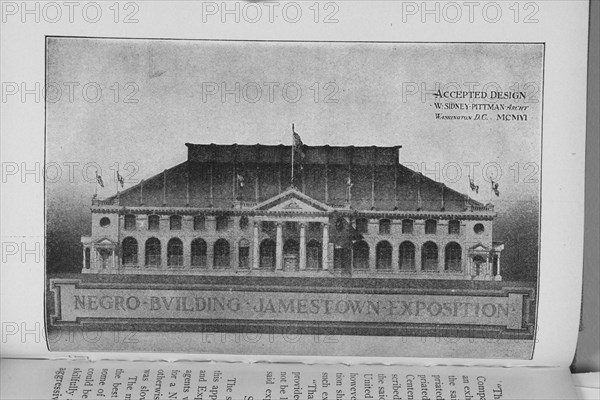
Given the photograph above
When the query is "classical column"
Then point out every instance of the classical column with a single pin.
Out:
(395, 257)
(498, 272)
(279, 248)
(373, 258)
(302, 247)
(325, 247)
(418, 266)
(255, 248)
(498, 277)
(114, 261)
(234, 255)
(442, 259)
(84, 261)
(210, 258)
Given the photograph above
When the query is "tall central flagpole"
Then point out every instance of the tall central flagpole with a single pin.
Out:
(293, 151)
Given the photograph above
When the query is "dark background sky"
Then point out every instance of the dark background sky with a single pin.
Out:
(369, 82)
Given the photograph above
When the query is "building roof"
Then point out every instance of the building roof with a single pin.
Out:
(217, 176)
(262, 154)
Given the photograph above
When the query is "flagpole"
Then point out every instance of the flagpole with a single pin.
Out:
(293, 151)
(96, 185)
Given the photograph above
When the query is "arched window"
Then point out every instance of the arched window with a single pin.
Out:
(454, 227)
(175, 253)
(175, 222)
(198, 252)
(431, 227)
(362, 225)
(407, 256)
(221, 254)
(429, 257)
(130, 251)
(291, 247)
(407, 226)
(291, 254)
(267, 254)
(199, 222)
(153, 252)
(314, 255)
(360, 255)
(153, 222)
(244, 223)
(129, 222)
(244, 254)
(104, 221)
(383, 255)
(385, 227)
(222, 223)
(453, 256)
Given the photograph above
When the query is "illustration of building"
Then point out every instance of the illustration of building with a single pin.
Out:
(241, 210)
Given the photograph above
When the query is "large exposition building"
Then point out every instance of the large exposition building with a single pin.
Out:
(347, 211)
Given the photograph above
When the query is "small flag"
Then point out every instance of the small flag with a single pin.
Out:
(474, 187)
(120, 179)
(240, 180)
(99, 180)
(495, 186)
(298, 145)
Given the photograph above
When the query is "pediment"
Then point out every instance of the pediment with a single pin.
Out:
(479, 248)
(293, 201)
(104, 242)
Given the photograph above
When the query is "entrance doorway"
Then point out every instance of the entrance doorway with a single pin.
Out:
(291, 255)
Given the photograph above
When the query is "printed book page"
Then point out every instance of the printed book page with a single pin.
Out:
(229, 381)
(284, 181)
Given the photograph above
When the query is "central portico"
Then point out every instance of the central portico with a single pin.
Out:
(301, 233)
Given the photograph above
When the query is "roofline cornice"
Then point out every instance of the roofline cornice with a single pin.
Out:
(348, 213)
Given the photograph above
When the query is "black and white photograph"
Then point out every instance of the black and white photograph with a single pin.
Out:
(307, 195)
